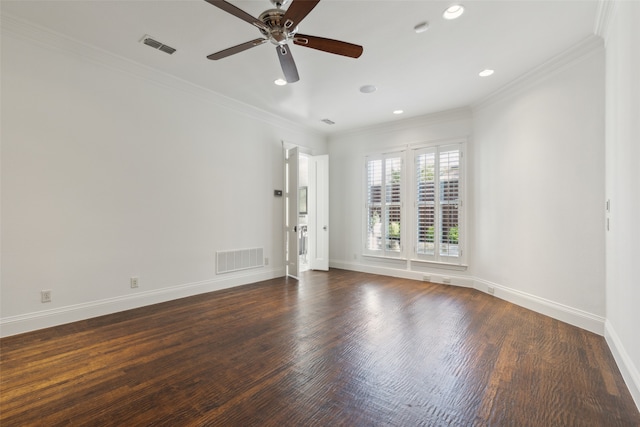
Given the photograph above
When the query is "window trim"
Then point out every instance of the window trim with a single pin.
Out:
(383, 252)
(437, 256)
(409, 203)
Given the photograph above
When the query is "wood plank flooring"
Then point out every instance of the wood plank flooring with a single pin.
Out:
(335, 349)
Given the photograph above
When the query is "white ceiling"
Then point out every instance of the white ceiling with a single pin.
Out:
(418, 73)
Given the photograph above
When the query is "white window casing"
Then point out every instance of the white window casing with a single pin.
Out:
(416, 212)
(384, 215)
(439, 203)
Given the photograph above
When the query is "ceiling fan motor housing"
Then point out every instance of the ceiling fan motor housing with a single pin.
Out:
(279, 33)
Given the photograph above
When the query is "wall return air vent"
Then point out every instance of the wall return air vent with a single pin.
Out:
(242, 259)
(150, 41)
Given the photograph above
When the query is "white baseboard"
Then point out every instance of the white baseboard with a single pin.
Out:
(383, 271)
(564, 313)
(44, 319)
(455, 280)
(629, 371)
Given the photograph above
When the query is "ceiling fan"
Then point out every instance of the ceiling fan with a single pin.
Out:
(279, 27)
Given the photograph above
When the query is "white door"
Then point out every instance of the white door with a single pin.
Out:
(291, 207)
(319, 212)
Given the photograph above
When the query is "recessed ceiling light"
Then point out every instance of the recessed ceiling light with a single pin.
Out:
(453, 12)
(421, 27)
(368, 89)
(485, 73)
(280, 82)
(398, 112)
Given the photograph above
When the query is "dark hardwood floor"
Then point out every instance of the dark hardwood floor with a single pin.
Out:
(337, 349)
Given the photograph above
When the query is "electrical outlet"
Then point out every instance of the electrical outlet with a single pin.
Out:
(491, 290)
(355, 256)
(45, 295)
(266, 261)
(446, 280)
(426, 278)
(133, 282)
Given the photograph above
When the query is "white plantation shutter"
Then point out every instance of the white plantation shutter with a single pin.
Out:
(438, 203)
(384, 205)
(433, 226)
(374, 205)
(449, 174)
(393, 174)
(425, 202)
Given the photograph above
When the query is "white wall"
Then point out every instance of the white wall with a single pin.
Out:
(111, 170)
(623, 189)
(347, 152)
(539, 187)
(535, 189)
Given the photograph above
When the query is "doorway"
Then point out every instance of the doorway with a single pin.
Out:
(303, 212)
(307, 212)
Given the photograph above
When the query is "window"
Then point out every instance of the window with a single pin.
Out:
(438, 203)
(434, 187)
(384, 205)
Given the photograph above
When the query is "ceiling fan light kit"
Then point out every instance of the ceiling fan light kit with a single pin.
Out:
(279, 27)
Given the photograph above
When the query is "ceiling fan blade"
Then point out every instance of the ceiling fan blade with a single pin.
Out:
(238, 13)
(329, 45)
(235, 49)
(297, 12)
(287, 63)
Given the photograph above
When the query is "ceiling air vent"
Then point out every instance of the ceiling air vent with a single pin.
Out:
(149, 41)
(328, 121)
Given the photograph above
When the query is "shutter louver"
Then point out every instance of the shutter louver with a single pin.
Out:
(384, 205)
(425, 185)
(438, 203)
(374, 205)
(393, 175)
(449, 175)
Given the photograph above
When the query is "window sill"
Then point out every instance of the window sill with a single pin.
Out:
(422, 262)
(386, 258)
(439, 264)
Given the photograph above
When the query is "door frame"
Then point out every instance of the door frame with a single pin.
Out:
(291, 220)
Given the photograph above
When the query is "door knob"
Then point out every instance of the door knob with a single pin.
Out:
(324, 228)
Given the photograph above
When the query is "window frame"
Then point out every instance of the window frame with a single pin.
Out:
(409, 205)
(384, 251)
(438, 256)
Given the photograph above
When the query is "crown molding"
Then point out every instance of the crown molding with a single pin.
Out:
(23, 30)
(563, 60)
(463, 113)
(604, 16)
